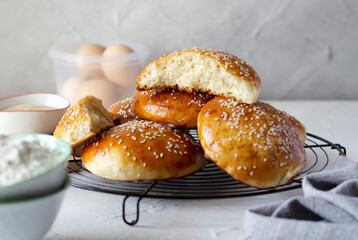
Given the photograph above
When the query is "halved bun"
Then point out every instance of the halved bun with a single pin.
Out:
(84, 120)
(203, 70)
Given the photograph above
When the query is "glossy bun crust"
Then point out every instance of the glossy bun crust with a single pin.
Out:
(203, 70)
(256, 144)
(172, 107)
(299, 128)
(142, 150)
(122, 111)
(84, 120)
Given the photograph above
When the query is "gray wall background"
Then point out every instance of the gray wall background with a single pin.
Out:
(300, 49)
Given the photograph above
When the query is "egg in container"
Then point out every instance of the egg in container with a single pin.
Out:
(107, 71)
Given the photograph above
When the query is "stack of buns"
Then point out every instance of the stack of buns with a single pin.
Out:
(209, 90)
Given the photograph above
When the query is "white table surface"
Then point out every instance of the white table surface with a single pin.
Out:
(93, 215)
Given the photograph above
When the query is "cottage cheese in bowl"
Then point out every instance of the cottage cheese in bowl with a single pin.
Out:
(31, 164)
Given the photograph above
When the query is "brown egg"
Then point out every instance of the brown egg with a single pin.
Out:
(117, 49)
(87, 68)
(69, 88)
(100, 88)
(122, 70)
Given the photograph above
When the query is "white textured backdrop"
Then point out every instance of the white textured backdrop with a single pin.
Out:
(300, 49)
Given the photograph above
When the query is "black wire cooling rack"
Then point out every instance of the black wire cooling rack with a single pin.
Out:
(210, 182)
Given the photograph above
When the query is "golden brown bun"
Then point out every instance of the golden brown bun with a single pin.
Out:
(142, 150)
(84, 120)
(298, 127)
(122, 111)
(175, 108)
(254, 143)
(203, 70)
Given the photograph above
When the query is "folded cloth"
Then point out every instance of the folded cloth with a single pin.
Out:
(328, 209)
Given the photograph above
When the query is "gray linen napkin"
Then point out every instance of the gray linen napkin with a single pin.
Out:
(328, 209)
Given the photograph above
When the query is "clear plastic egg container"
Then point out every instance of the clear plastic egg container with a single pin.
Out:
(110, 74)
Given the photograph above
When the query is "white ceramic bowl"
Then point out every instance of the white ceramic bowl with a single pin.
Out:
(30, 218)
(35, 121)
(46, 180)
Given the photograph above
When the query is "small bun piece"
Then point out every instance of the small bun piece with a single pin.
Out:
(203, 70)
(122, 111)
(175, 108)
(142, 150)
(84, 120)
(256, 144)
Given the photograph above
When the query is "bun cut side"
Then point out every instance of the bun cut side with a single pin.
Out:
(84, 120)
(203, 70)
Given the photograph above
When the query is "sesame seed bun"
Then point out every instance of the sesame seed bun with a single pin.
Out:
(142, 150)
(256, 144)
(122, 111)
(203, 70)
(175, 108)
(84, 120)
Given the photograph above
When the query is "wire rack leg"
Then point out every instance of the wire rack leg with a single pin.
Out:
(134, 222)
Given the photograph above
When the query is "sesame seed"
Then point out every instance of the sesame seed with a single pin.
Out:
(283, 164)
